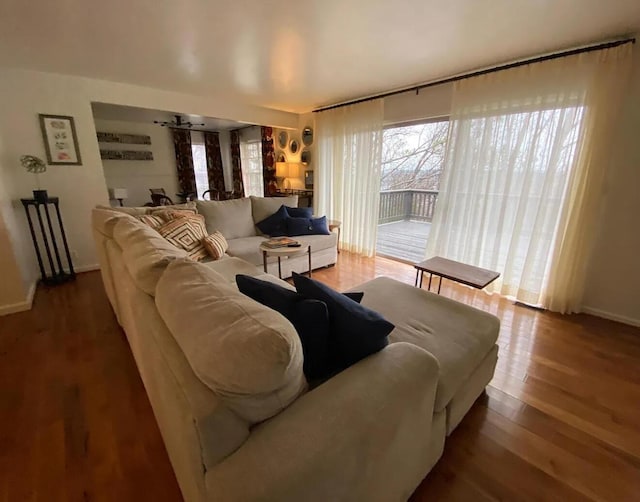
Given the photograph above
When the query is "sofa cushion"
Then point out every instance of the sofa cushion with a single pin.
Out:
(274, 225)
(232, 218)
(186, 232)
(307, 226)
(356, 331)
(145, 252)
(245, 352)
(140, 210)
(459, 336)
(228, 267)
(262, 207)
(104, 220)
(131, 211)
(187, 206)
(247, 248)
(319, 242)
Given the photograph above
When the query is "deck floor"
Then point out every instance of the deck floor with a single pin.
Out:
(404, 240)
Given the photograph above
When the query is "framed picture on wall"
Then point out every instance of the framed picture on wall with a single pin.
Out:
(60, 140)
(308, 180)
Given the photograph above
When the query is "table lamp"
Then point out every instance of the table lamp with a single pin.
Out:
(286, 170)
(118, 194)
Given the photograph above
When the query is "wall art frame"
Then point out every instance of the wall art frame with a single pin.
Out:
(60, 140)
(307, 136)
(126, 155)
(117, 137)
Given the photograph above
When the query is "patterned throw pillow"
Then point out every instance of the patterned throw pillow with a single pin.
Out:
(154, 221)
(187, 233)
(172, 214)
(216, 245)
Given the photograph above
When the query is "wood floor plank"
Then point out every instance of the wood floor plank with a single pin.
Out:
(560, 420)
(478, 458)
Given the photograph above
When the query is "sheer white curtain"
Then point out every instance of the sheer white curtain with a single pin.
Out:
(251, 161)
(347, 185)
(526, 158)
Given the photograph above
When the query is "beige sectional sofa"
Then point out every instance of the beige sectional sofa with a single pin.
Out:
(224, 377)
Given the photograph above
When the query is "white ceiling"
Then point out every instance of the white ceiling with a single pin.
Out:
(295, 55)
(107, 111)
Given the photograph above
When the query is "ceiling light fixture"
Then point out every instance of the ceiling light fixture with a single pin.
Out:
(178, 123)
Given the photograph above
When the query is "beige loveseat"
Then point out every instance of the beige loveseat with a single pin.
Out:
(236, 219)
(224, 377)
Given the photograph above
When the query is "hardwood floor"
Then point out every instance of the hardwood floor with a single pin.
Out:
(560, 420)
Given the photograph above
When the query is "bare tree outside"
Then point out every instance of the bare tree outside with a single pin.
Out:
(412, 156)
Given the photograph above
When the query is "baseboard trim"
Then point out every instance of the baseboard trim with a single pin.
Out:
(20, 306)
(612, 317)
(25, 305)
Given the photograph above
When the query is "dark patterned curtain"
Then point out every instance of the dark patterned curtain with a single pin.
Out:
(238, 189)
(184, 160)
(215, 172)
(268, 162)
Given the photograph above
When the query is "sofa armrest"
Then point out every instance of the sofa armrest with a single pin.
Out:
(362, 435)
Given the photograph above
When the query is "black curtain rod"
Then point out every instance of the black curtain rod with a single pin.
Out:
(209, 130)
(190, 129)
(539, 59)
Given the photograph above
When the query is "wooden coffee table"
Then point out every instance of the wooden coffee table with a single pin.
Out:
(284, 251)
(455, 271)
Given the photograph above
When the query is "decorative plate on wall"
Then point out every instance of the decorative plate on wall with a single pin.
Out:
(307, 136)
(283, 137)
(293, 146)
(305, 156)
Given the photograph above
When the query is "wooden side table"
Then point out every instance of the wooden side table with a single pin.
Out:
(335, 224)
(284, 251)
(455, 271)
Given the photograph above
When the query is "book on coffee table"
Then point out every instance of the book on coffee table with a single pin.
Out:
(280, 242)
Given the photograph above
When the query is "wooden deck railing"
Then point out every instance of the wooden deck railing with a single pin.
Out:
(397, 205)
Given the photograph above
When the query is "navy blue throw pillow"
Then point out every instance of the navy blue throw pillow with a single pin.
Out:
(356, 331)
(307, 226)
(356, 297)
(275, 225)
(309, 317)
(300, 212)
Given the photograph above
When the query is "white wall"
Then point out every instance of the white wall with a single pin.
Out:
(24, 94)
(14, 222)
(137, 176)
(13, 289)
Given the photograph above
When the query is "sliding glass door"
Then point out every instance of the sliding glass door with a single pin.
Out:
(412, 162)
